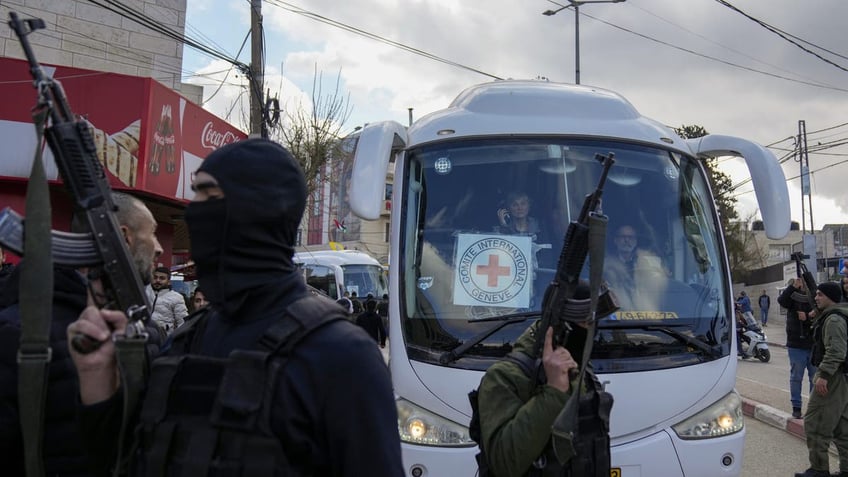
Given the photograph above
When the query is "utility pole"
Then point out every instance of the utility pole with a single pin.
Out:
(809, 239)
(257, 71)
(576, 4)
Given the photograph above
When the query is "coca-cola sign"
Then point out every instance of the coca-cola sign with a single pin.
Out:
(212, 139)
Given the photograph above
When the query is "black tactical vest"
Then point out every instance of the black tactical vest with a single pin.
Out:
(206, 416)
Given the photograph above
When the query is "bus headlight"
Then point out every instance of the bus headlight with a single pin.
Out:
(417, 425)
(722, 418)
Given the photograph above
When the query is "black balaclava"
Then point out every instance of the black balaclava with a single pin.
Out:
(245, 240)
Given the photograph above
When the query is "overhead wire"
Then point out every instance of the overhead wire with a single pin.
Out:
(320, 18)
(726, 62)
(710, 40)
(783, 35)
(223, 81)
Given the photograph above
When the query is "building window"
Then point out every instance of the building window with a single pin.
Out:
(388, 191)
(316, 202)
(388, 232)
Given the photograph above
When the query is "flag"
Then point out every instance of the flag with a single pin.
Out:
(339, 225)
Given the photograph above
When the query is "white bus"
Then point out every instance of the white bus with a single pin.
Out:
(335, 271)
(668, 355)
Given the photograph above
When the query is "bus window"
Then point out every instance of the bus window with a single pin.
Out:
(322, 278)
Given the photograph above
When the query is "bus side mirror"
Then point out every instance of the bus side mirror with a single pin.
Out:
(377, 142)
(766, 175)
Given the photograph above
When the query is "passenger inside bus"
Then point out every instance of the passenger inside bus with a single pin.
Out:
(514, 217)
(631, 270)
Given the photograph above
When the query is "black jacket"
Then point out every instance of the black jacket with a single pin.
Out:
(798, 333)
(62, 451)
(371, 322)
(334, 390)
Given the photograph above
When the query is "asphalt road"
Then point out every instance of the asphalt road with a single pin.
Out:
(771, 452)
(768, 383)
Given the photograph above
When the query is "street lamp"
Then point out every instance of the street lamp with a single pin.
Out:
(576, 4)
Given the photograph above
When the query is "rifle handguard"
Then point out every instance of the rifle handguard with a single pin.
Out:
(579, 311)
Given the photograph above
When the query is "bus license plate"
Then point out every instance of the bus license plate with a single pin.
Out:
(615, 472)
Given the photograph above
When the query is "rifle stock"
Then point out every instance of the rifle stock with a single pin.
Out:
(74, 151)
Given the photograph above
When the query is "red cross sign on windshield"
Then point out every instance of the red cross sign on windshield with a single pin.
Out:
(493, 271)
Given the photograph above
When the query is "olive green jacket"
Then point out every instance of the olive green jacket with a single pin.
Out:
(835, 337)
(516, 415)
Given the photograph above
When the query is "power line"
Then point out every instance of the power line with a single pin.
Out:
(784, 35)
(710, 40)
(320, 18)
(702, 55)
(144, 20)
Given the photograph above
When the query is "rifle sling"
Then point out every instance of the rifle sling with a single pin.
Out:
(36, 302)
(131, 356)
(565, 425)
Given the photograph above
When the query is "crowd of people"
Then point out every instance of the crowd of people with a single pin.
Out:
(232, 390)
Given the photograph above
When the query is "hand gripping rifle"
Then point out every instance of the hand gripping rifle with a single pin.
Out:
(804, 274)
(74, 151)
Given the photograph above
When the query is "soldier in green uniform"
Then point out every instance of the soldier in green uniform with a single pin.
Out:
(826, 418)
(516, 414)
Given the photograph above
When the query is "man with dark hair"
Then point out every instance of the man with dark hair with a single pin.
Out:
(825, 420)
(799, 340)
(357, 305)
(169, 307)
(267, 380)
(371, 322)
(62, 451)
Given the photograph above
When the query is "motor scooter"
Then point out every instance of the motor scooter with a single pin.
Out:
(752, 339)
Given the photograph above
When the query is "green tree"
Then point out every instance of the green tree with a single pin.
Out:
(741, 249)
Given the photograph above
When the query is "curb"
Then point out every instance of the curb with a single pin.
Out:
(774, 417)
(779, 419)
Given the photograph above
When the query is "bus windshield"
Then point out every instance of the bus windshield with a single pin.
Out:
(365, 280)
(485, 221)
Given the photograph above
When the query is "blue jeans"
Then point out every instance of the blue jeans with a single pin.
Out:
(764, 315)
(799, 360)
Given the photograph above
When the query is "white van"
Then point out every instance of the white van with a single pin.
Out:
(336, 271)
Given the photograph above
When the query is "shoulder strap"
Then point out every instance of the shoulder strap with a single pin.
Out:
(527, 364)
(302, 317)
(36, 301)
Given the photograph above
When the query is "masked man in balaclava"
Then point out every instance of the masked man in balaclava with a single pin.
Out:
(269, 380)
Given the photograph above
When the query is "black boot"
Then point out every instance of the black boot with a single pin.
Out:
(813, 473)
(796, 413)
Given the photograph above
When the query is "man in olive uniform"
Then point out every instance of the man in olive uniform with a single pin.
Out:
(826, 419)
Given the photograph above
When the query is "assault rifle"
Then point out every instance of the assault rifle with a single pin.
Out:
(559, 308)
(804, 274)
(72, 144)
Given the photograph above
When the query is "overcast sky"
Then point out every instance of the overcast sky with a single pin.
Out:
(693, 62)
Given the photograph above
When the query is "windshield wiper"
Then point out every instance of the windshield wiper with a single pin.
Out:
(503, 320)
(667, 329)
(689, 340)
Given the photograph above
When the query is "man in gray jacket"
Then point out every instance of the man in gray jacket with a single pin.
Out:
(169, 307)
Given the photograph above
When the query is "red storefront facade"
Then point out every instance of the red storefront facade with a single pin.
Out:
(149, 139)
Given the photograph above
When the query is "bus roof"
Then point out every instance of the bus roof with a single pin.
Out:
(336, 257)
(516, 107)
